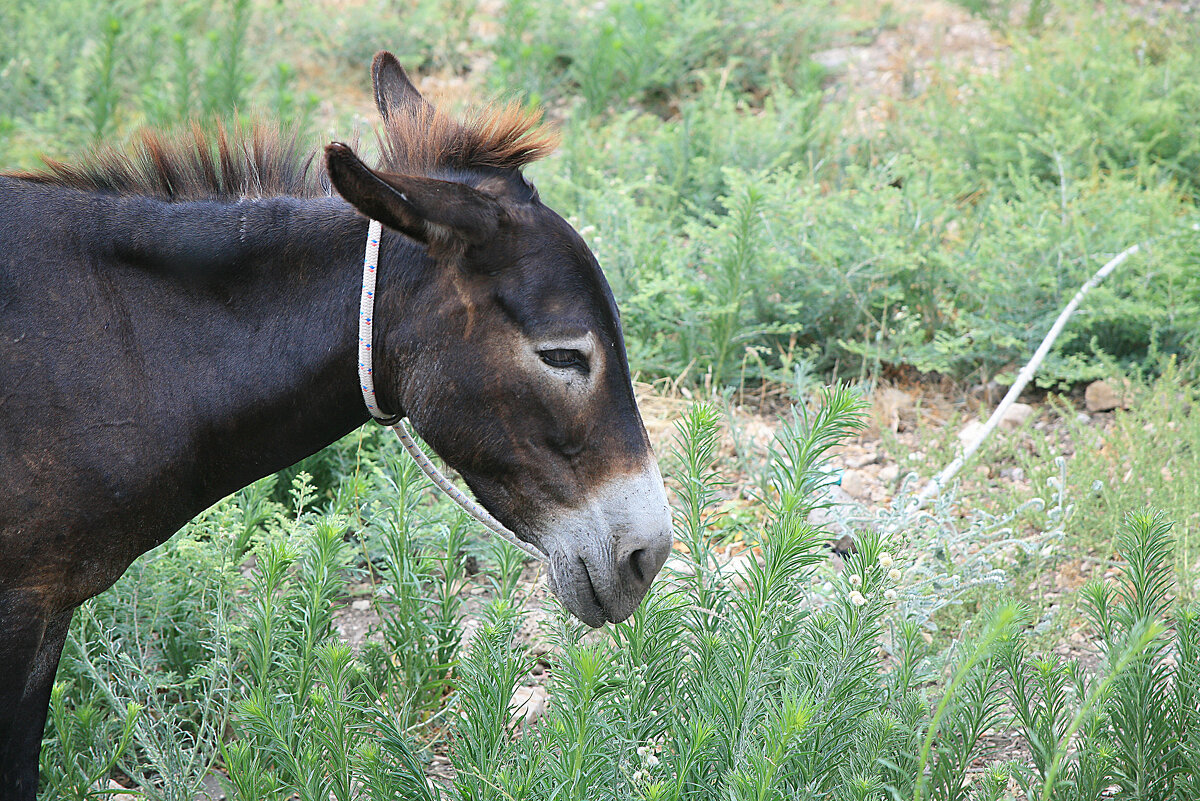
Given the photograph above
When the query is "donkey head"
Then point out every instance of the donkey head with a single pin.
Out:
(504, 346)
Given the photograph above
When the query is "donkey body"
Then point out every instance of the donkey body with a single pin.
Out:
(178, 323)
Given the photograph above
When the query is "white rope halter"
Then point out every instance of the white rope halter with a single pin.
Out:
(366, 310)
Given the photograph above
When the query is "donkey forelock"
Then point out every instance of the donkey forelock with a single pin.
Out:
(420, 139)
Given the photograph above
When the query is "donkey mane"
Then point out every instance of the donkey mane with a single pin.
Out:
(266, 162)
(197, 165)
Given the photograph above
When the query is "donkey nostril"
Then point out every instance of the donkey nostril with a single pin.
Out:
(641, 564)
(637, 566)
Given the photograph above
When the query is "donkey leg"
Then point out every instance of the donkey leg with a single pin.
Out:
(22, 626)
(23, 722)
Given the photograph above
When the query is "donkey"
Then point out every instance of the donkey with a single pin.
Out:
(179, 320)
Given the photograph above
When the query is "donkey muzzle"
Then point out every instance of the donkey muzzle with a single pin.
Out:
(605, 554)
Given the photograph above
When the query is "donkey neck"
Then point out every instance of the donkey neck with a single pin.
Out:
(259, 298)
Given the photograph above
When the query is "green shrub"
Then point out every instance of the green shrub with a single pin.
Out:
(649, 51)
(146, 674)
(74, 73)
(949, 243)
(424, 35)
(879, 268)
(1134, 724)
(1104, 92)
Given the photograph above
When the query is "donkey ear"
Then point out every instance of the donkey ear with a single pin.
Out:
(394, 92)
(427, 209)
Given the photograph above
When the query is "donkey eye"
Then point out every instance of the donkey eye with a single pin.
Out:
(563, 358)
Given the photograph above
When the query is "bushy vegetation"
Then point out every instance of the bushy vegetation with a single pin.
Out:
(948, 242)
(748, 216)
(75, 74)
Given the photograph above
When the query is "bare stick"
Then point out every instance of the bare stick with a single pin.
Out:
(943, 478)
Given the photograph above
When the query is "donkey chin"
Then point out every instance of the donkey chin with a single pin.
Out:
(605, 553)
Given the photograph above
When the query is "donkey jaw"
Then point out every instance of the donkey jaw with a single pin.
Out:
(605, 554)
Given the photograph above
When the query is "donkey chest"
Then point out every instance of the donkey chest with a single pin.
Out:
(71, 521)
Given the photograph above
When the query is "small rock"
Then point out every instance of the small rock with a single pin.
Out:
(895, 409)
(988, 393)
(1016, 415)
(679, 565)
(116, 792)
(528, 704)
(1101, 396)
(210, 789)
(862, 461)
(737, 569)
(1013, 473)
(857, 460)
(838, 58)
(854, 483)
(970, 432)
(760, 433)
(1083, 418)
(889, 473)
(361, 605)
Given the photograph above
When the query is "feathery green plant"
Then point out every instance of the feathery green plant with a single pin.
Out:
(84, 746)
(484, 742)
(740, 680)
(419, 604)
(969, 708)
(103, 99)
(1133, 724)
(153, 670)
(721, 685)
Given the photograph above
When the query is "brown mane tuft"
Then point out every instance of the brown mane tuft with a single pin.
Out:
(421, 139)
